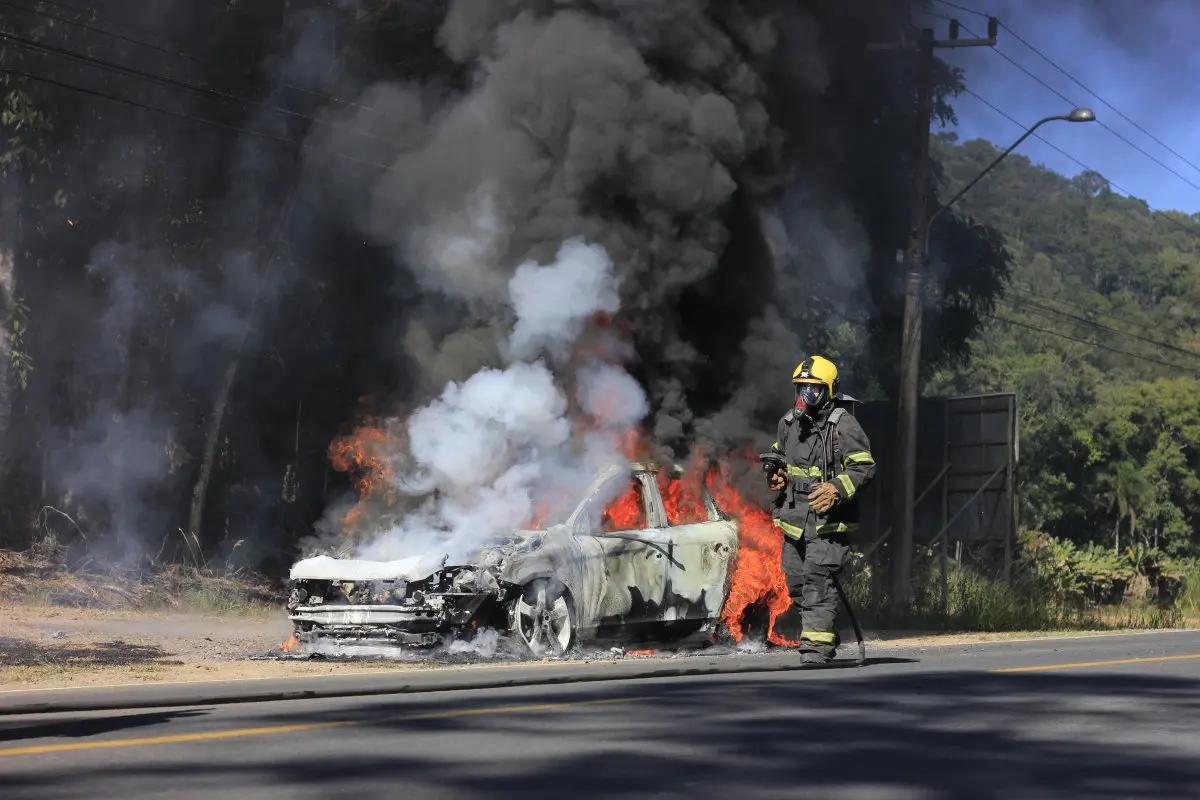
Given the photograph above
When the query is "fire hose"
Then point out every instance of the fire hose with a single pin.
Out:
(862, 646)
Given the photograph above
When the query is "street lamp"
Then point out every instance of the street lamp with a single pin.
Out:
(1078, 115)
(910, 361)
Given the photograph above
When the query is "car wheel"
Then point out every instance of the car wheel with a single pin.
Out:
(544, 619)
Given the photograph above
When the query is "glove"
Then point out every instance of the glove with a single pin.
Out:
(776, 481)
(823, 497)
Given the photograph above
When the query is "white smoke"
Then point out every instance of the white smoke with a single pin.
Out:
(486, 643)
(552, 303)
(470, 435)
(609, 393)
(489, 451)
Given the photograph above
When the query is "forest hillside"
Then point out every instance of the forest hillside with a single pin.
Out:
(1098, 332)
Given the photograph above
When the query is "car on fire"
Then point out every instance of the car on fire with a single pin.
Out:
(612, 571)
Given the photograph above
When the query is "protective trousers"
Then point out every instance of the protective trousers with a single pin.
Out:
(810, 564)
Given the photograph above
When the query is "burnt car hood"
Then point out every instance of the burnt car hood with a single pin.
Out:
(327, 568)
(493, 554)
(413, 568)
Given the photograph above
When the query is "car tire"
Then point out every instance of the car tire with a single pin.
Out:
(543, 618)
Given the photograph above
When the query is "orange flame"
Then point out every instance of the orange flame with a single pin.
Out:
(757, 578)
(626, 513)
(631, 445)
(291, 644)
(640, 652)
(537, 520)
(363, 455)
(683, 498)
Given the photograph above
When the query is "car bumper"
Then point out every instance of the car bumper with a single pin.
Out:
(411, 624)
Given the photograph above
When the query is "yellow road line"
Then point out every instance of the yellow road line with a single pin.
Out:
(1079, 664)
(298, 728)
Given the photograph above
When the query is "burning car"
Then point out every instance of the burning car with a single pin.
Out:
(634, 569)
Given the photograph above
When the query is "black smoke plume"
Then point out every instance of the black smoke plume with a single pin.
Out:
(744, 165)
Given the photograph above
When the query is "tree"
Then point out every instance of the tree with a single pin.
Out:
(1097, 333)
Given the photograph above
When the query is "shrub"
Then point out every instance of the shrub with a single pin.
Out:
(1056, 585)
(1095, 574)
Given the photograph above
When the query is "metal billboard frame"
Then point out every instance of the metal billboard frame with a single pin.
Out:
(983, 481)
(981, 473)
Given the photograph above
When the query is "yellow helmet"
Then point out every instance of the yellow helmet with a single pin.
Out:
(817, 369)
(816, 380)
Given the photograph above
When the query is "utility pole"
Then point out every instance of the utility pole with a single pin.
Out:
(914, 261)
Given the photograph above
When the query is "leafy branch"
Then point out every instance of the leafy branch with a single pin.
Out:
(18, 324)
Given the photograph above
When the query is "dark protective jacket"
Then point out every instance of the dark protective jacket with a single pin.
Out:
(833, 448)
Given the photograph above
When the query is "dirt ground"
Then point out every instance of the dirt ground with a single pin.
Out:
(49, 647)
(58, 647)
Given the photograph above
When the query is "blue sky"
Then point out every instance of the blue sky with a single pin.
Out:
(1139, 56)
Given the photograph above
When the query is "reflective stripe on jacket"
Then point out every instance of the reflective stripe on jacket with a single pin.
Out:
(836, 451)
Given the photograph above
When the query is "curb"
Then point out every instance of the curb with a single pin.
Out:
(463, 679)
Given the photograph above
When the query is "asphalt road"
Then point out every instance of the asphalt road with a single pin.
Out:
(1115, 716)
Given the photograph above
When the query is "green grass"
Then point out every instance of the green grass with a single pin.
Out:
(202, 592)
(977, 604)
(1189, 599)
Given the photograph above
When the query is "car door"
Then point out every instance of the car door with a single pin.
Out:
(632, 550)
(703, 545)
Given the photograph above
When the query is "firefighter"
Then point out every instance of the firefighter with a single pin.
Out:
(828, 461)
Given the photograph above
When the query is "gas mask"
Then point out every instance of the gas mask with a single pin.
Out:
(810, 399)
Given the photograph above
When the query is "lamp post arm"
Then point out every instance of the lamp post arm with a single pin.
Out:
(986, 170)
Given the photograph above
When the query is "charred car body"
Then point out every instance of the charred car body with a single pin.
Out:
(587, 579)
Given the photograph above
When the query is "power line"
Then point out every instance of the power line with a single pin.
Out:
(181, 115)
(63, 52)
(1077, 82)
(30, 44)
(1116, 110)
(173, 51)
(1026, 290)
(91, 28)
(89, 12)
(137, 104)
(1055, 315)
(1114, 331)
(1038, 136)
(1171, 219)
(1187, 228)
(1099, 122)
(1049, 332)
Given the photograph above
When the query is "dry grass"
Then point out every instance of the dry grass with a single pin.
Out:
(40, 577)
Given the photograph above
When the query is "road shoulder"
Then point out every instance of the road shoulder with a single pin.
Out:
(69, 648)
